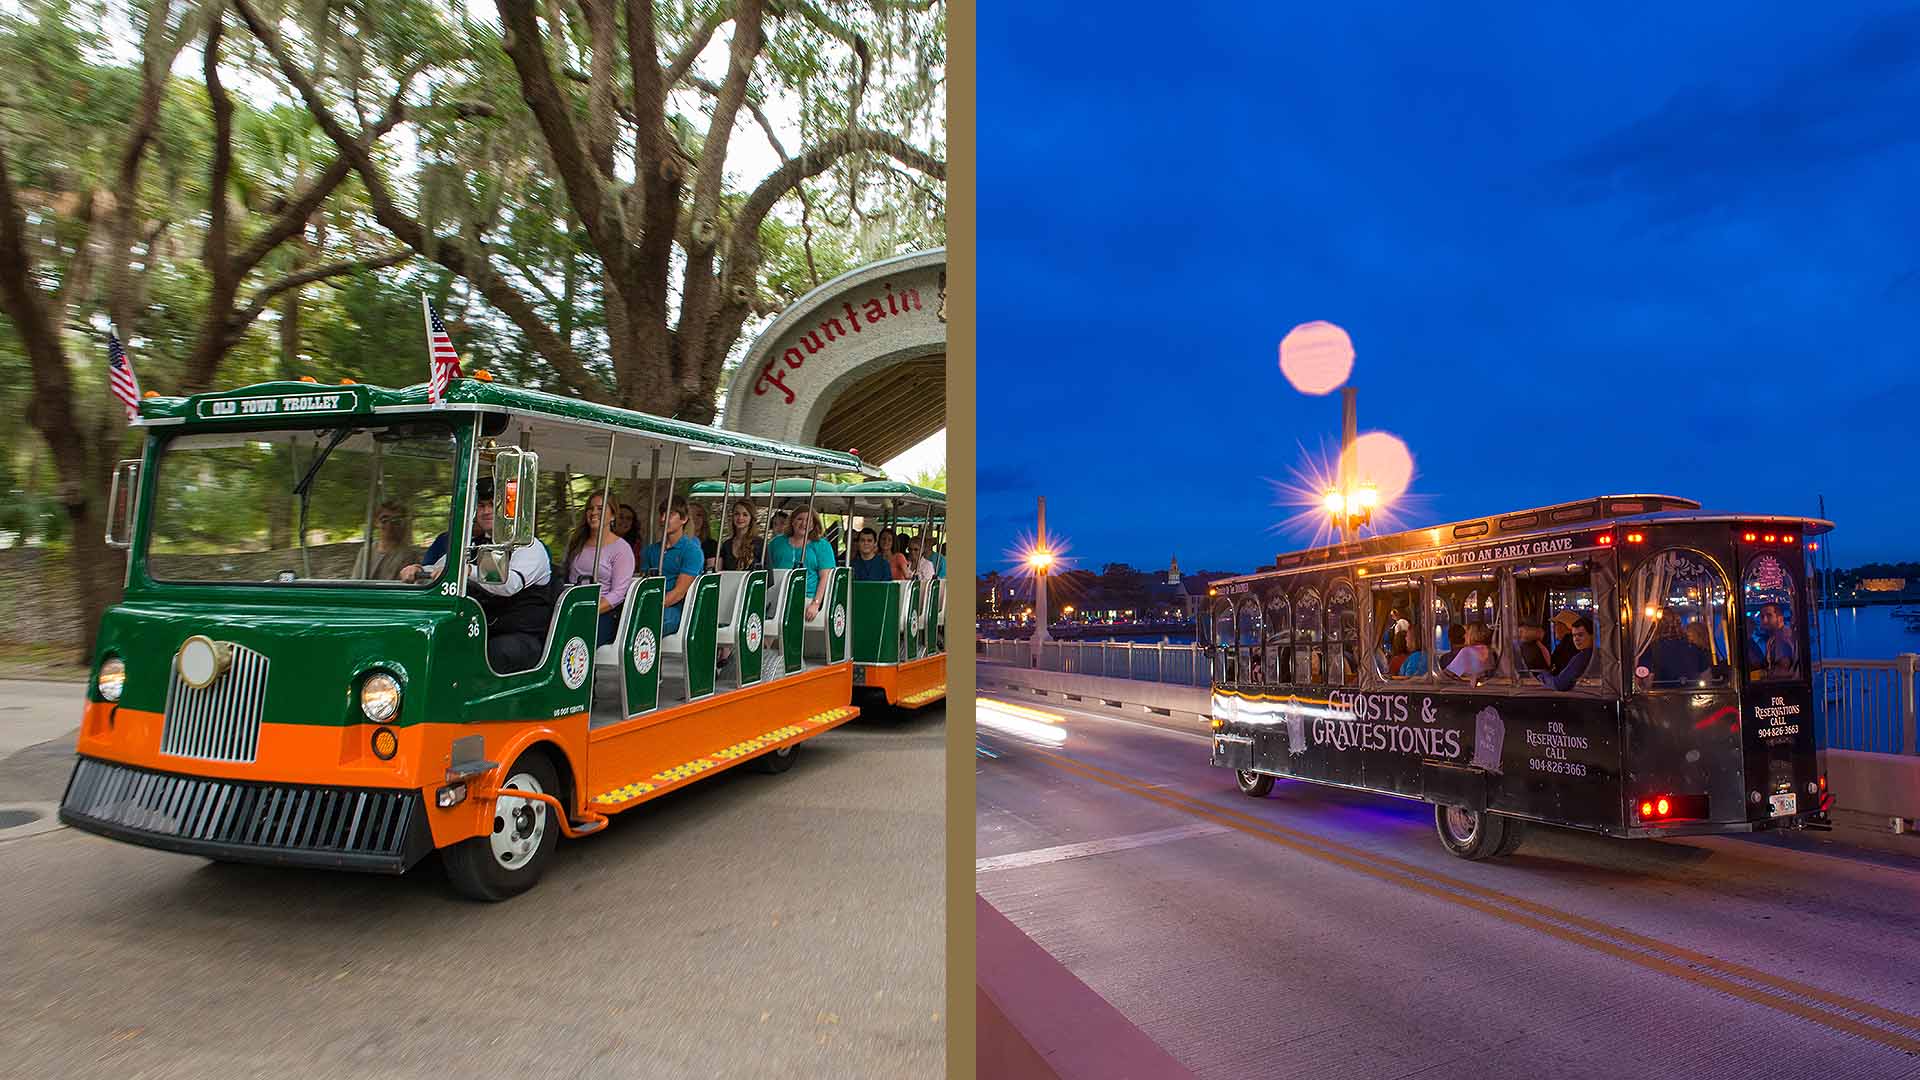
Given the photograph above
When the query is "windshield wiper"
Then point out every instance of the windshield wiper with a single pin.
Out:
(320, 459)
(302, 490)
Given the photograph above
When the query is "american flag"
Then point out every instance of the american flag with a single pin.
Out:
(120, 377)
(443, 362)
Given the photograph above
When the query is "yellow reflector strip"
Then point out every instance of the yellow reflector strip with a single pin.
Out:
(924, 696)
(718, 758)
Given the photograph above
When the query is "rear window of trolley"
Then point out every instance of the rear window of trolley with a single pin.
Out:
(352, 504)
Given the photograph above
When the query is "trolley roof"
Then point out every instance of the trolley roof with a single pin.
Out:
(1601, 510)
(290, 403)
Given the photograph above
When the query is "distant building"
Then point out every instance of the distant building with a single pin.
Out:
(1883, 584)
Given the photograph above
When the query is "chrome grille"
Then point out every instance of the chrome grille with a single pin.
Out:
(222, 721)
(284, 817)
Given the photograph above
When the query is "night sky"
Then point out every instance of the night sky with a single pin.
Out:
(1576, 253)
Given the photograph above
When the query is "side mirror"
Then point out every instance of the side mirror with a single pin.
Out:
(515, 484)
(122, 497)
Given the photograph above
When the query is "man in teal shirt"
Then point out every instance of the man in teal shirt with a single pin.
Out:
(795, 550)
(684, 560)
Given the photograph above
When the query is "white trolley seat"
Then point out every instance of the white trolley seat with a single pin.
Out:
(733, 585)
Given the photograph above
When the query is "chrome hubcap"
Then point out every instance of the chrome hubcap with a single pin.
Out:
(518, 824)
(1462, 825)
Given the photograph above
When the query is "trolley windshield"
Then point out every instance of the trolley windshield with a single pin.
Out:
(330, 505)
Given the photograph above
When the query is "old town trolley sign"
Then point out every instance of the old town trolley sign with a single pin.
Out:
(1629, 664)
(297, 676)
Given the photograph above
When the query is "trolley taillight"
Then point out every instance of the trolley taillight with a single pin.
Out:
(1657, 809)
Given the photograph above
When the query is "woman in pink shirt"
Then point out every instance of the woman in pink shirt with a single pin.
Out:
(596, 554)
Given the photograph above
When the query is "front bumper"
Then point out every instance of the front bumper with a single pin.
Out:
(378, 830)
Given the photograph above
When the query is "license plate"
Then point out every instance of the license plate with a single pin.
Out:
(1785, 805)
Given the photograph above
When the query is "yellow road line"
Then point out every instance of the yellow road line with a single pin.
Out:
(1515, 910)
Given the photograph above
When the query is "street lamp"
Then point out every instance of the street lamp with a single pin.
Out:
(1351, 509)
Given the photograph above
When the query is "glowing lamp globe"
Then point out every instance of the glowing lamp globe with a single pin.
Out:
(1316, 357)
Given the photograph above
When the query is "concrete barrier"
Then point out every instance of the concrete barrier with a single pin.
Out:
(1883, 786)
(1880, 785)
(1181, 708)
(1035, 1019)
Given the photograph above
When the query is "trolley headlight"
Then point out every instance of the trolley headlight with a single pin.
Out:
(380, 697)
(112, 678)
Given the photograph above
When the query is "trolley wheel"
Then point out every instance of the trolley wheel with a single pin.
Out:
(1516, 832)
(509, 861)
(1252, 784)
(1471, 834)
(777, 762)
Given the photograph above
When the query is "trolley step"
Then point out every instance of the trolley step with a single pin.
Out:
(924, 697)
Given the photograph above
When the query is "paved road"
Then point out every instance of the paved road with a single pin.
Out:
(748, 926)
(1324, 933)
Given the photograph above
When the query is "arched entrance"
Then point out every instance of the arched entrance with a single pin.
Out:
(859, 363)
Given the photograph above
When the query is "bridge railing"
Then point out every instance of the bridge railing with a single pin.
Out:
(1147, 661)
(1866, 704)
(1858, 704)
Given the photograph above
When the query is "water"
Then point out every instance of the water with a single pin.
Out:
(1868, 633)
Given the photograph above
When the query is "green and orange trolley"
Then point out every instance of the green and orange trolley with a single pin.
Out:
(270, 690)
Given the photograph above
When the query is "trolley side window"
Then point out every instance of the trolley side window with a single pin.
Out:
(1224, 669)
(1467, 630)
(1398, 650)
(1343, 636)
(1679, 603)
(1772, 640)
(1401, 649)
(1249, 656)
(1559, 601)
(1279, 633)
(1308, 659)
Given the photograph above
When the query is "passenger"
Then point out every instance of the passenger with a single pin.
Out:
(698, 529)
(1475, 658)
(921, 566)
(867, 563)
(518, 608)
(1564, 648)
(1577, 664)
(776, 528)
(742, 550)
(891, 550)
(391, 551)
(679, 562)
(598, 555)
(1671, 657)
(626, 526)
(1697, 633)
(1456, 640)
(1416, 662)
(1775, 657)
(1395, 651)
(795, 550)
(482, 529)
(1533, 656)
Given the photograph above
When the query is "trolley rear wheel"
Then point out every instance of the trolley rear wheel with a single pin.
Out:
(778, 761)
(1473, 834)
(1252, 784)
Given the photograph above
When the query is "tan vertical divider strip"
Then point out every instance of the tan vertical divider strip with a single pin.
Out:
(962, 549)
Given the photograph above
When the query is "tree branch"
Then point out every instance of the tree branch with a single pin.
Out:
(449, 252)
(294, 216)
(521, 38)
(746, 45)
(682, 61)
(817, 159)
(244, 318)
